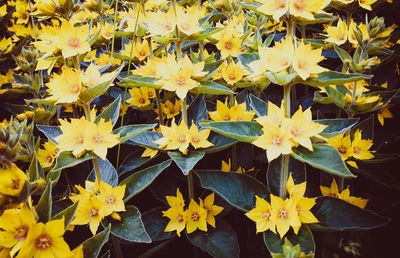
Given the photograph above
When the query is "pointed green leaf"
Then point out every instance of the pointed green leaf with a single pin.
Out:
(344, 56)
(324, 157)
(337, 214)
(247, 58)
(334, 78)
(131, 161)
(244, 131)
(111, 112)
(212, 88)
(68, 214)
(155, 224)
(139, 81)
(128, 131)
(220, 241)
(186, 162)
(258, 105)
(51, 132)
(146, 139)
(108, 173)
(35, 170)
(43, 208)
(197, 111)
(66, 160)
(141, 179)
(236, 188)
(220, 142)
(93, 245)
(336, 126)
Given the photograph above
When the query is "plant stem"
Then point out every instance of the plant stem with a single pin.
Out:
(113, 39)
(234, 147)
(284, 176)
(190, 175)
(184, 111)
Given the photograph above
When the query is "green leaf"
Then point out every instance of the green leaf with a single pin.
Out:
(51, 132)
(146, 139)
(111, 112)
(343, 55)
(68, 214)
(186, 162)
(197, 111)
(43, 208)
(155, 223)
(324, 157)
(296, 167)
(131, 161)
(211, 68)
(366, 127)
(35, 170)
(336, 126)
(334, 78)
(220, 142)
(258, 105)
(318, 97)
(203, 34)
(128, 131)
(66, 160)
(236, 188)
(108, 173)
(337, 214)
(141, 179)
(212, 88)
(336, 96)
(220, 241)
(247, 58)
(130, 227)
(244, 131)
(93, 245)
(281, 78)
(139, 81)
(304, 237)
(93, 92)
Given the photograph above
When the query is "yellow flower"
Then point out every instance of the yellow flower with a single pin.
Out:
(306, 59)
(176, 201)
(170, 109)
(212, 210)
(343, 144)
(275, 140)
(72, 41)
(187, 22)
(99, 137)
(140, 97)
(12, 180)
(295, 190)
(112, 198)
(303, 206)
(274, 116)
(107, 31)
(233, 73)
(305, 8)
(226, 167)
(45, 240)
(92, 76)
(160, 23)
(361, 147)
(198, 139)
(91, 56)
(262, 216)
(384, 113)
(73, 135)
(66, 87)
(15, 225)
(359, 202)
(229, 45)
(338, 34)
(175, 137)
(332, 191)
(366, 4)
(47, 155)
(275, 8)
(149, 152)
(180, 81)
(196, 217)
(90, 211)
(237, 112)
(21, 12)
(177, 220)
(284, 214)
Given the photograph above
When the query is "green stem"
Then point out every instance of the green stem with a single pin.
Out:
(114, 25)
(190, 175)
(158, 103)
(184, 111)
(284, 176)
(234, 147)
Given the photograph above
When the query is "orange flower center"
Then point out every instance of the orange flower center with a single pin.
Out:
(226, 117)
(142, 100)
(356, 150)
(276, 140)
(283, 213)
(79, 139)
(301, 64)
(49, 158)
(15, 184)
(195, 216)
(180, 218)
(196, 139)
(266, 215)
(342, 149)
(43, 242)
(232, 77)
(299, 5)
(93, 212)
(185, 26)
(150, 94)
(280, 4)
(295, 132)
(182, 139)
(228, 45)
(75, 88)
(172, 111)
(298, 208)
(98, 138)
(110, 200)
(142, 53)
(167, 26)
(180, 81)
(74, 43)
(21, 232)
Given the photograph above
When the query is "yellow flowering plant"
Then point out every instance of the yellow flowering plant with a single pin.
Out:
(183, 122)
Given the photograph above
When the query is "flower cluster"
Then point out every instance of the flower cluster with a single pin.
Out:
(196, 216)
(236, 112)
(281, 214)
(280, 134)
(333, 191)
(97, 201)
(81, 135)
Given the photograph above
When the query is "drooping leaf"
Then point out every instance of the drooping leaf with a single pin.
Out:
(244, 131)
(197, 111)
(68, 214)
(334, 213)
(43, 208)
(51, 132)
(212, 88)
(258, 105)
(336, 126)
(35, 170)
(141, 179)
(247, 58)
(128, 131)
(139, 81)
(220, 142)
(111, 112)
(155, 224)
(108, 173)
(186, 162)
(146, 139)
(130, 227)
(304, 237)
(335, 78)
(324, 157)
(132, 160)
(238, 189)
(93, 245)
(220, 241)
(66, 160)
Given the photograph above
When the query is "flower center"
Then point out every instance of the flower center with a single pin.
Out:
(283, 213)
(98, 138)
(167, 27)
(276, 140)
(342, 149)
(110, 200)
(195, 216)
(49, 158)
(172, 111)
(180, 81)
(180, 218)
(356, 150)
(299, 5)
(43, 242)
(228, 45)
(226, 117)
(93, 212)
(301, 64)
(280, 4)
(295, 132)
(182, 139)
(298, 208)
(15, 184)
(185, 26)
(266, 215)
(150, 94)
(142, 100)
(74, 43)
(142, 53)
(79, 139)
(75, 88)
(21, 232)
(232, 77)
(196, 139)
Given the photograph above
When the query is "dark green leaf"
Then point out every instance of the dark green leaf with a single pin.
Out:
(334, 78)
(244, 131)
(141, 179)
(213, 88)
(128, 131)
(186, 162)
(258, 105)
(336, 96)
(111, 112)
(236, 188)
(220, 142)
(344, 56)
(247, 58)
(35, 170)
(155, 223)
(68, 214)
(108, 173)
(43, 208)
(366, 127)
(66, 160)
(146, 139)
(51, 132)
(220, 241)
(197, 111)
(131, 161)
(93, 245)
(338, 214)
(336, 126)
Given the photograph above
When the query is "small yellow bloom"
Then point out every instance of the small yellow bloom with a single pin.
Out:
(92, 76)
(47, 155)
(343, 144)
(112, 198)
(140, 97)
(198, 139)
(361, 147)
(359, 202)
(226, 167)
(230, 45)
(73, 135)
(338, 34)
(212, 210)
(262, 216)
(233, 73)
(170, 109)
(65, 87)
(177, 220)
(174, 137)
(332, 191)
(90, 211)
(384, 113)
(180, 81)
(196, 217)
(236, 112)
(12, 180)
(284, 214)
(306, 59)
